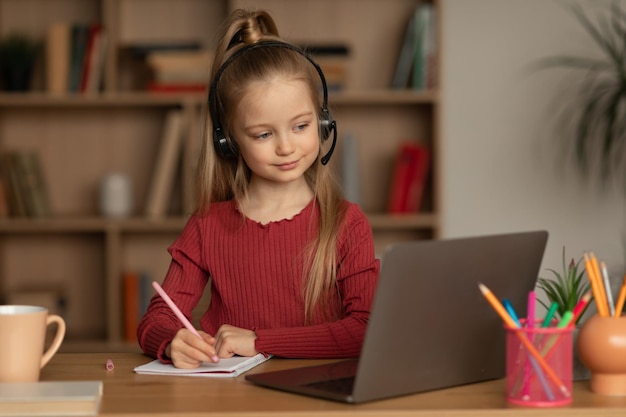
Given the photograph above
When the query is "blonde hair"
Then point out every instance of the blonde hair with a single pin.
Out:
(222, 179)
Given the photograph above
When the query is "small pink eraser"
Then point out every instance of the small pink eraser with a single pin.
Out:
(109, 365)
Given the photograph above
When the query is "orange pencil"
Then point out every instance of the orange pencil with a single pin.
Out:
(596, 287)
(621, 298)
(598, 273)
(529, 346)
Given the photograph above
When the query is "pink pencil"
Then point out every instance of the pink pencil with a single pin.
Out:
(175, 308)
(530, 323)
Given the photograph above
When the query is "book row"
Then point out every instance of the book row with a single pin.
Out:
(75, 55)
(23, 191)
(136, 294)
(417, 63)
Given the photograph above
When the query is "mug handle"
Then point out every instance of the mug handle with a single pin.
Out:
(58, 338)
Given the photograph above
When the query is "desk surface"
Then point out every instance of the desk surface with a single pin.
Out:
(130, 394)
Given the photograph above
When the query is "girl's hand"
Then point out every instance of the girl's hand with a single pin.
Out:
(231, 340)
(188, 350)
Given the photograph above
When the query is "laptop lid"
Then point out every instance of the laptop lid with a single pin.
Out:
(430, 327)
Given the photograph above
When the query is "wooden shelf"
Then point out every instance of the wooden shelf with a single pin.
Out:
(405, 222)
(138, 99)
(83, 137)
(383, 97)
(144, 99)
(90, 225)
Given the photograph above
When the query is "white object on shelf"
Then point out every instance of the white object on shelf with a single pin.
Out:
(116, 196)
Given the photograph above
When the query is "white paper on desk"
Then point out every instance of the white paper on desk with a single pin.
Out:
(225, 368)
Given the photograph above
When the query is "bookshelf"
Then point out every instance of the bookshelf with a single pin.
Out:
(82, 137)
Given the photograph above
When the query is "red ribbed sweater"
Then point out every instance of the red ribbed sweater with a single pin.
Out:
(256, 283)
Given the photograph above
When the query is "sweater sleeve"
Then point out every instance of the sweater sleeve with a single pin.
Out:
(357, 277)
(184, 282)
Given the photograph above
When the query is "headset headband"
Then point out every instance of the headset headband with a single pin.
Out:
(325, 118)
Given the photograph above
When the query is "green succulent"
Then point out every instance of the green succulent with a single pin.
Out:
(566, 288)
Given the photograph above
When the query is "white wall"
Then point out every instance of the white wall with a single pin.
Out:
(499, 162)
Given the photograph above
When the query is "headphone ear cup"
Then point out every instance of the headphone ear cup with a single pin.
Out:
(222, 144)
(326, 124)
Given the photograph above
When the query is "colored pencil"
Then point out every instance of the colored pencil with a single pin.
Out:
(497, 306)
(607, 289)
(526, 376)
(621, 298)
(179, 314)
(596, 287)
(175, 308)
(530, 324)
(550, 343)
(580, 308)
(550, 314)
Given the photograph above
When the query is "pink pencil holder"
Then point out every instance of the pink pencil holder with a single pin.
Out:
(542, 376)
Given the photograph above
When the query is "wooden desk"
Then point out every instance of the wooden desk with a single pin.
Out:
(129, 394)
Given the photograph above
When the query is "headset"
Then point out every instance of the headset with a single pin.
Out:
(224, 146)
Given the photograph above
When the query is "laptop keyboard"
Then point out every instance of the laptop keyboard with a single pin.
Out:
(339, 385)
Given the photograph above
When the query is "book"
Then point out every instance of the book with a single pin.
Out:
(406, 57)
(425, 32)
(145, 292)
(180, 60)
(17, 205)
(350, 169)
(50, 398)
(176, 88)
(5, 211)
(179, 71)
(95, 74)
(93, 60)
(142, 50)
(90, 50)
(32, 185)
(334, 61)
(225, 368)
(79, 40)
(410, 169)
(58, 40)
(165, 167)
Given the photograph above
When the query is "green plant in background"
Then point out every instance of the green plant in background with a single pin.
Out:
(566, 288)
(18, 55)
(598, 142)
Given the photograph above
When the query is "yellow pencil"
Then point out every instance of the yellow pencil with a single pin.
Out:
(621, 298)
(529, 346)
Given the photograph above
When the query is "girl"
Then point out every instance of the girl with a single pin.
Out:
(290, 263)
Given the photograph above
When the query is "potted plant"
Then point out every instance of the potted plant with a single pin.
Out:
(566, 288)
(18, 55)
(598, 115)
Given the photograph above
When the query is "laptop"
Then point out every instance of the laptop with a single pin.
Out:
(430, 327)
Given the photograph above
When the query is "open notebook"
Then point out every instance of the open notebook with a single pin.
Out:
(226, 367)
(430, 326)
